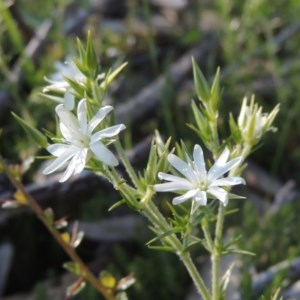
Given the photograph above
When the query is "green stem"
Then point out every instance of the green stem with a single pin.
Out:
(129, 169)
(151, 212)
(154, 215)
(216, 255)
(207, 235)
(87, 274)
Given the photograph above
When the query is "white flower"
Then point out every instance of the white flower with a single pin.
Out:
(79, 141)
(197, 183)
(253, 123)
(65, 70)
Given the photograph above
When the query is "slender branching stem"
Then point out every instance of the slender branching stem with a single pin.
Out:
(150, 210)
(129, 169)
(87, 274)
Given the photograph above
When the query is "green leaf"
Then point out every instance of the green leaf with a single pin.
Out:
(117, 204)
(215, 91)
(162, 248)
(73, 267)
(35, 134)
(151, 169)
(201, 85)
(111, 76)
(57, 99)
(91, 61)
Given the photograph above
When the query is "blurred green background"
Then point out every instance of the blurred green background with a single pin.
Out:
(256, 44)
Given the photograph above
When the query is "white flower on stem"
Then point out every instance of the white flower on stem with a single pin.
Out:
(198, 184)
(58, 82)
(79, 142)
(253, 123)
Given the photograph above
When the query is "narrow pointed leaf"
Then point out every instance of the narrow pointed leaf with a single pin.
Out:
(201, 85)
(33, 133)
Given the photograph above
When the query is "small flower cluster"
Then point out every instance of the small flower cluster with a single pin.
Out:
(86, 135)
(79, 142)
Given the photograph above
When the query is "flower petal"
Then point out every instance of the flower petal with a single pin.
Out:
(171, 187)
(104, 154)
(199, 162)
(219, 193)
(107, 132)
(169, 177)
(68, 173)
(58, 149)
(217, 171)
(182, 167)
(228, 181)
(69, 125)
(99, 116)
(69, 100)
(60, 161)
(81, 115)
(188, 195)
(201, 198)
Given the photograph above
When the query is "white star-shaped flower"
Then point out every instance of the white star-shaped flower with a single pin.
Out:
(198, 184)
(79, 141)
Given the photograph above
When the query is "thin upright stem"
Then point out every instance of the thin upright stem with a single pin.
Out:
(150, 210)
(154, 215)
(216, 254)
(129, 169)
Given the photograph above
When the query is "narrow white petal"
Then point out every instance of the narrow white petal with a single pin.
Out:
(169, 177)
(69, 125)
(81, 115)
(69, 101)
(171, 186)
(217, 171)
(182, 167)
(201, 198)
(228, 181)
(99, 116)
(60, 161)
(107, 132)
(80, 160)
(104, 154)
(58, 149)
(199, 162)
(68, 173)
(223, 157)
(184, 197)
(71, 134)
(219, 193)
(76, 165)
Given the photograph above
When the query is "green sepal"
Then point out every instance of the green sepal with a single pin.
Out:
(34, 133)
(235, 130)
(202, 87)
(151, 169)
(77, 87)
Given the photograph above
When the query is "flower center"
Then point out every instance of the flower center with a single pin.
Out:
(83, 141)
